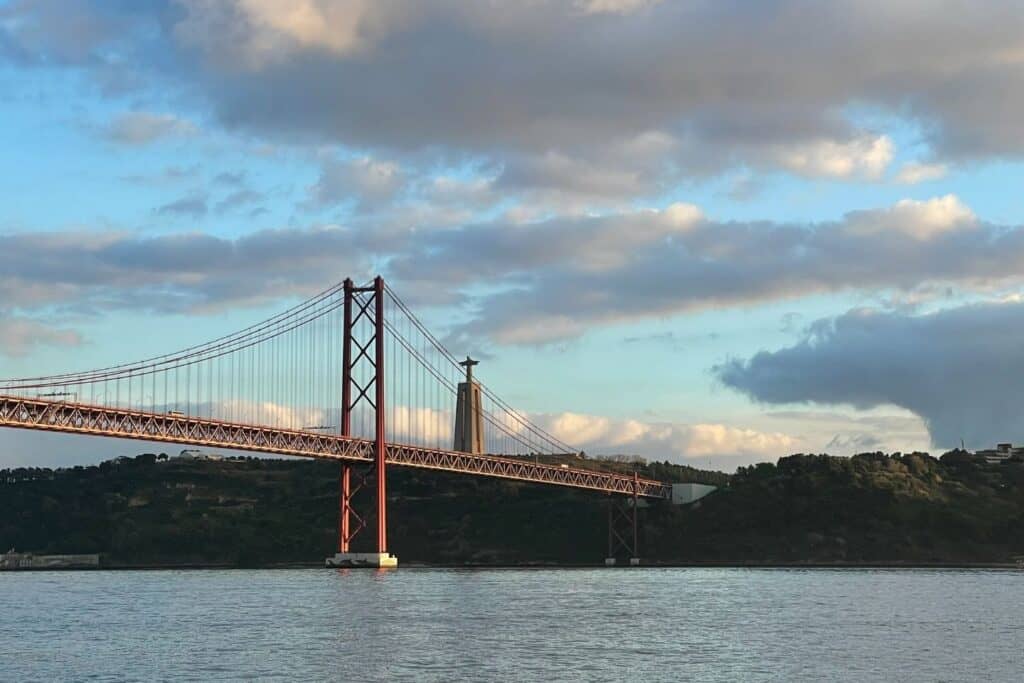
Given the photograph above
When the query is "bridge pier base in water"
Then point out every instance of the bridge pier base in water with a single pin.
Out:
(370, 560)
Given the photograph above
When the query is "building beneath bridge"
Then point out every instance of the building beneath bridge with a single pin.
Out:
(684, 494)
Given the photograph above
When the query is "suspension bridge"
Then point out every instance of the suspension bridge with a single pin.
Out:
(351, 375)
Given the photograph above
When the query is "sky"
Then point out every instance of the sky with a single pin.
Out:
(709, 232)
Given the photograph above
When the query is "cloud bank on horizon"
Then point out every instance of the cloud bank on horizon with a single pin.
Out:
(824, 190)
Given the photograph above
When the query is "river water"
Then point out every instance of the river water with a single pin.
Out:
(513, 625)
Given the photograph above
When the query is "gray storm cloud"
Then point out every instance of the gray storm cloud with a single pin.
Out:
(580, 78)
(959, 369)
(619, 97)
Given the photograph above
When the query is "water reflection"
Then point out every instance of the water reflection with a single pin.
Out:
(527, 625)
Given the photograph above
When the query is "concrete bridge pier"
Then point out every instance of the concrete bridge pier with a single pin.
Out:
(370, 560)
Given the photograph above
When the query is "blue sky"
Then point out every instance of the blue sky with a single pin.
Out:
(655, 220)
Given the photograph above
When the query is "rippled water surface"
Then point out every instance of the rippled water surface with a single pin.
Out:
(522, 625)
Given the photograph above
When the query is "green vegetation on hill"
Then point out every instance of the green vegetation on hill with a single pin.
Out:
(869, 508)
(250, 511)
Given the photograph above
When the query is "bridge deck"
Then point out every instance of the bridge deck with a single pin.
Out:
(76, 418)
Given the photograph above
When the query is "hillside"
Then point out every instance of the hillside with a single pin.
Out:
(868, 508)
(249, 511)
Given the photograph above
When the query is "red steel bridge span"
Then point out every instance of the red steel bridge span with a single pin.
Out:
(349, 375)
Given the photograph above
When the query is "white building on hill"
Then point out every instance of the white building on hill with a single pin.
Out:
(1001, 453)
(196, 454)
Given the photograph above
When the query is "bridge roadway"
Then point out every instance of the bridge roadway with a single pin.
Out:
(77, 418)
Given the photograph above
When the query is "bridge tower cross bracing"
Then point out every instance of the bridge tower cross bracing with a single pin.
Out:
(369, 308)
(623, 527)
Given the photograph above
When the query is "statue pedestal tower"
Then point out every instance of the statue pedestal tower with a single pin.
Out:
(469, 423)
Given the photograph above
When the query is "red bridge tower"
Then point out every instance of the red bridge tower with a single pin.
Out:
(369, 353)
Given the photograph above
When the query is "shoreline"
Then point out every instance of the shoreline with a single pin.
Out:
(538, 565)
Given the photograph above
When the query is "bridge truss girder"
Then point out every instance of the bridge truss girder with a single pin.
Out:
(58, 416)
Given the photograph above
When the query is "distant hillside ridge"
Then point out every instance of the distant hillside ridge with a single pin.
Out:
(869, 508)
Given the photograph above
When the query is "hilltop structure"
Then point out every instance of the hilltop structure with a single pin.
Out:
(1003, 452)
(469, 424)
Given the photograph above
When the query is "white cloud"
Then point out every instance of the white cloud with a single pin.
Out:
(575, 429)
(141, 128)
(864, 157)
(922, 220)
(545, 280)
(576, 177)
(593, 244)
(717, 439)
(846, 433)
(267, 413)
(19, 336)
(267, 32)
(99, 271)
(580, 80)
(366, 181)
(541, 329)
(914, 172)
(613, 6)
(408, 424)
(683, 215)
(603, 435)
(561, 276)
(575, 77)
